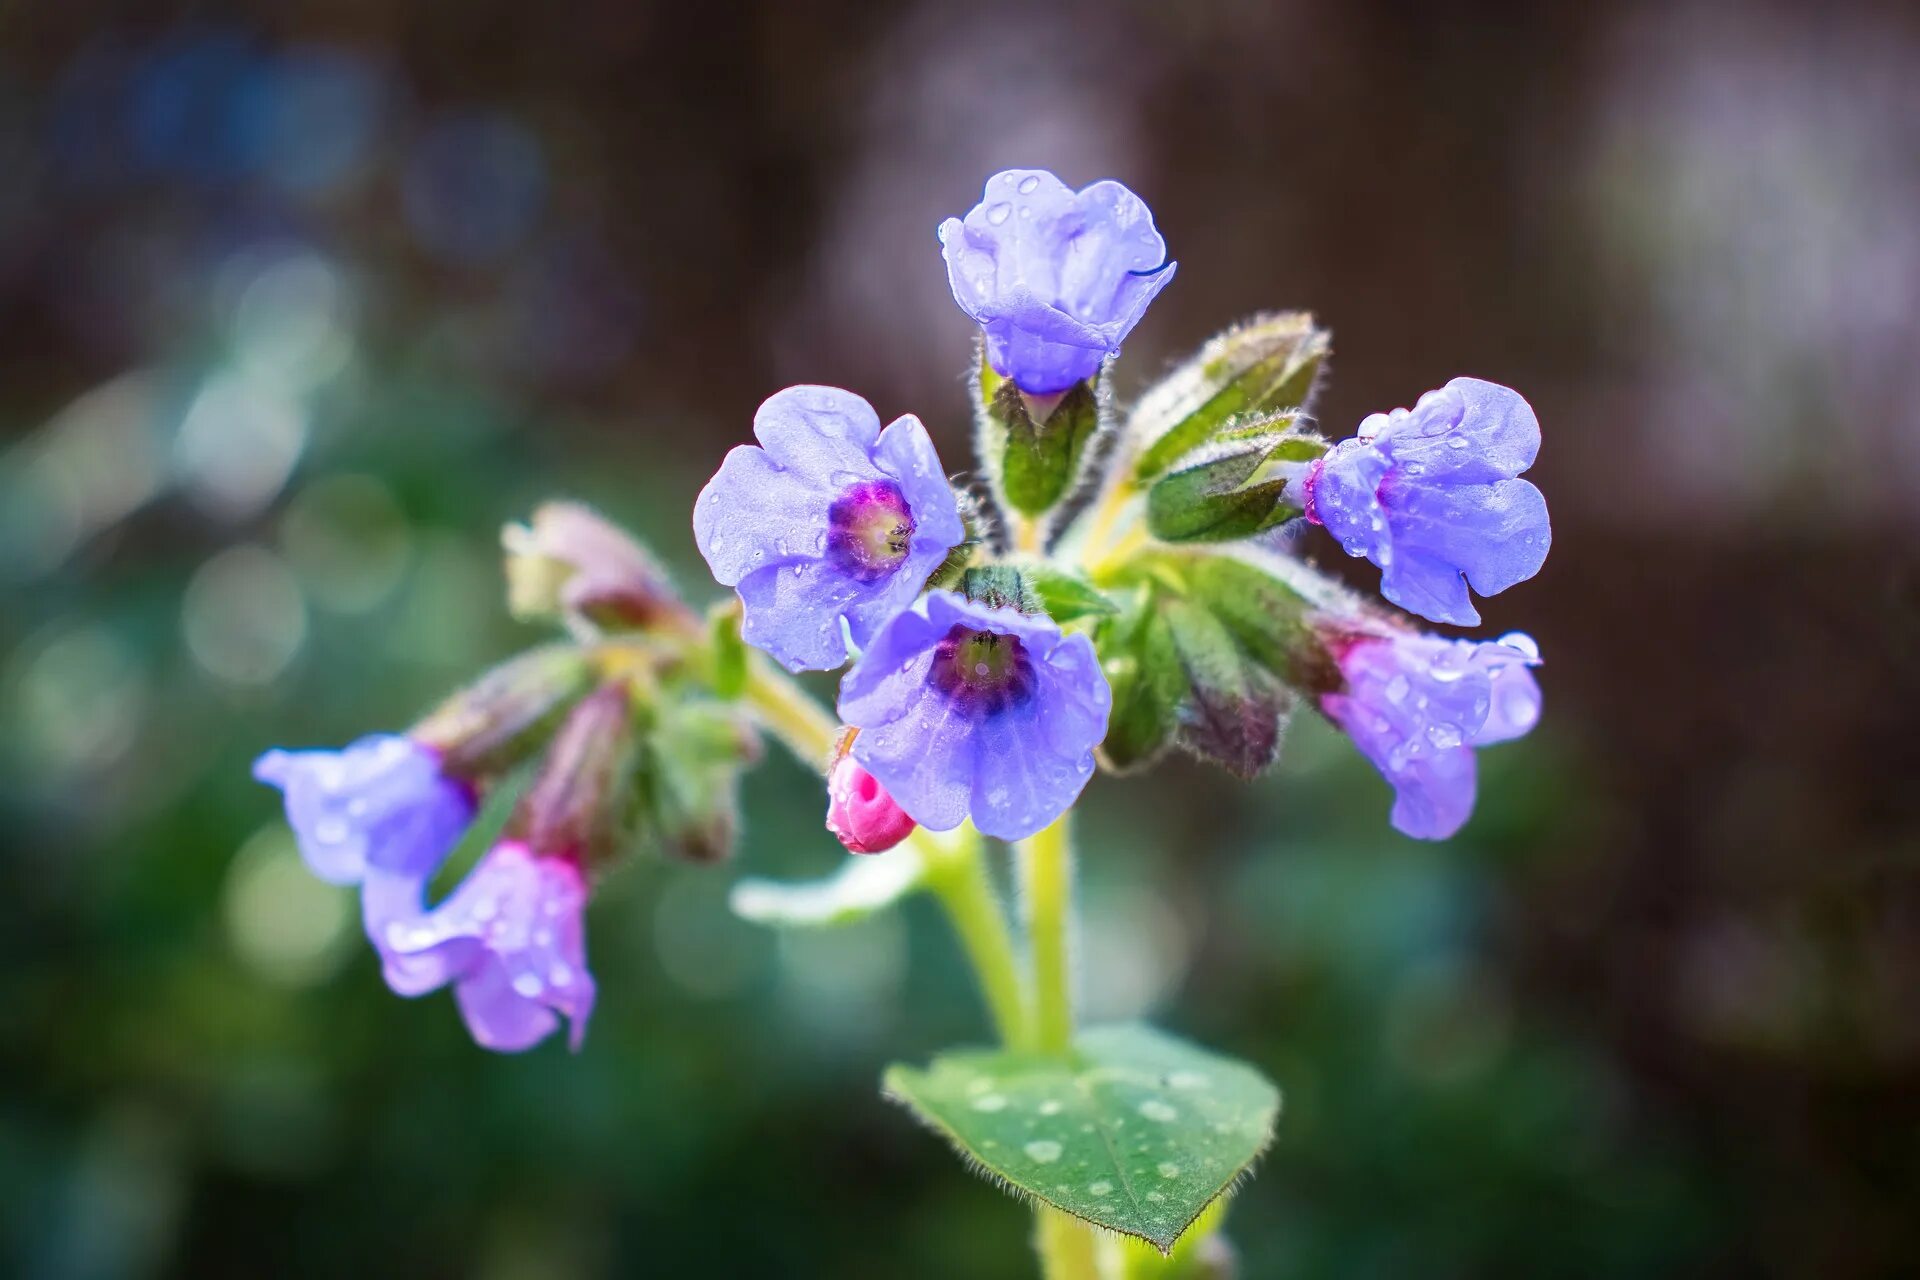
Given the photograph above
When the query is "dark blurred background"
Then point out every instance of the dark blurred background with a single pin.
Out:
(299, 304)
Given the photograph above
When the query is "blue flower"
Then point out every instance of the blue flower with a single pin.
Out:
(967, 711)
(829, 518)
(1429, 495)
(510, 939)
(1056, 278)
(382, 802)
(1417, 706)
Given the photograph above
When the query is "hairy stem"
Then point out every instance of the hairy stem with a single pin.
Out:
(1046, 864)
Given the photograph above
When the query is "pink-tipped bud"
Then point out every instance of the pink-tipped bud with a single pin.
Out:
(860, 812)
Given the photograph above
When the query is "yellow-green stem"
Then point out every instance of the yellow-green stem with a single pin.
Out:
(1065, 1245)
(1046, 865)
(956, 868)
(957, 875)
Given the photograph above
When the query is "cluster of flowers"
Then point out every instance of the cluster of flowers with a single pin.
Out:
(831, 528)
(846, 539)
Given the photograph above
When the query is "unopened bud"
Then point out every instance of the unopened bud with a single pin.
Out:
(570, 561)
(695, 753)
(580, 803)
(501, 719)
(860, 813)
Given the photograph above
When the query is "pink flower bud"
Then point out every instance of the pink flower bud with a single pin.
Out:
(860, 812)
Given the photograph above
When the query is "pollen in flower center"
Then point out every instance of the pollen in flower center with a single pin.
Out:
(982, 672)
(870, 529)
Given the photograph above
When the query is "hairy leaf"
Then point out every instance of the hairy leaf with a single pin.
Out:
(1134, 1131)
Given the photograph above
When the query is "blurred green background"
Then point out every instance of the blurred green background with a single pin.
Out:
(300, 301)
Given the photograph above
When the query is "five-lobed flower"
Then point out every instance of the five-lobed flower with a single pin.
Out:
(1417, 705)
(1055, 278)
(971, 711)
(830, 520)
(1431, 496)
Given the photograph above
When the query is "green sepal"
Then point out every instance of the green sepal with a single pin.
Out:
(1001, 586)
(1066, 596)
(507, 715)
(1133, 1130)
(1236, 709)
(689, 779)
(863, 886)
(1032, 463)
(1143, 669)
(1243, 482)
(1240, 623)
(1268, 364)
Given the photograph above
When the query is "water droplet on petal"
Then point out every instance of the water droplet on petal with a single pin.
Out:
(998, 213)
(528, 985)
(1028, 184)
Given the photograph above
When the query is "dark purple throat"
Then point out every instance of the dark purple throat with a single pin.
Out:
(869, 530)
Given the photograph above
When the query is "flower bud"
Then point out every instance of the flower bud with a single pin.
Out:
(501, 719)
(1269, 364)
(694, 754)
(860, 813)
(570, 561)
(580, 803)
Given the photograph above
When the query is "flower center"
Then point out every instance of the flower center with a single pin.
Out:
(870, 529)
(982, 672)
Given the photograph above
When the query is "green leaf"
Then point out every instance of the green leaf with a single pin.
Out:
(1268, 364)
(1143, 669)
(1135, 1131)
(1065, 595)
(865, 885)
(1032, 462)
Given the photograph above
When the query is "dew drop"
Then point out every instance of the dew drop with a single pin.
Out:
(1154, 1109)
(1100, 1188)
(1051, 1107)
(561, 975)
(1168, 1169)
(1028, 184)
(1042, 1151)
(1187, 1080)
(990, 1102)
(1458, 442)
(330, 831)
(528, 985)
(997, 214)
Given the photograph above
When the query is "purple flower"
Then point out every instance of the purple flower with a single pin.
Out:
(509, 938)
(1056, 278)
(830, 518)
(1429, 495)
(380, 803)
(966, 711)
(1416, 706)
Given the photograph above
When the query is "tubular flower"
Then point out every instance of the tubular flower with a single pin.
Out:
(1417, 706)
(829, 518)
(381, 802)
(1055, 278)
(969, 711)
(510, 939)
(1430, 495)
